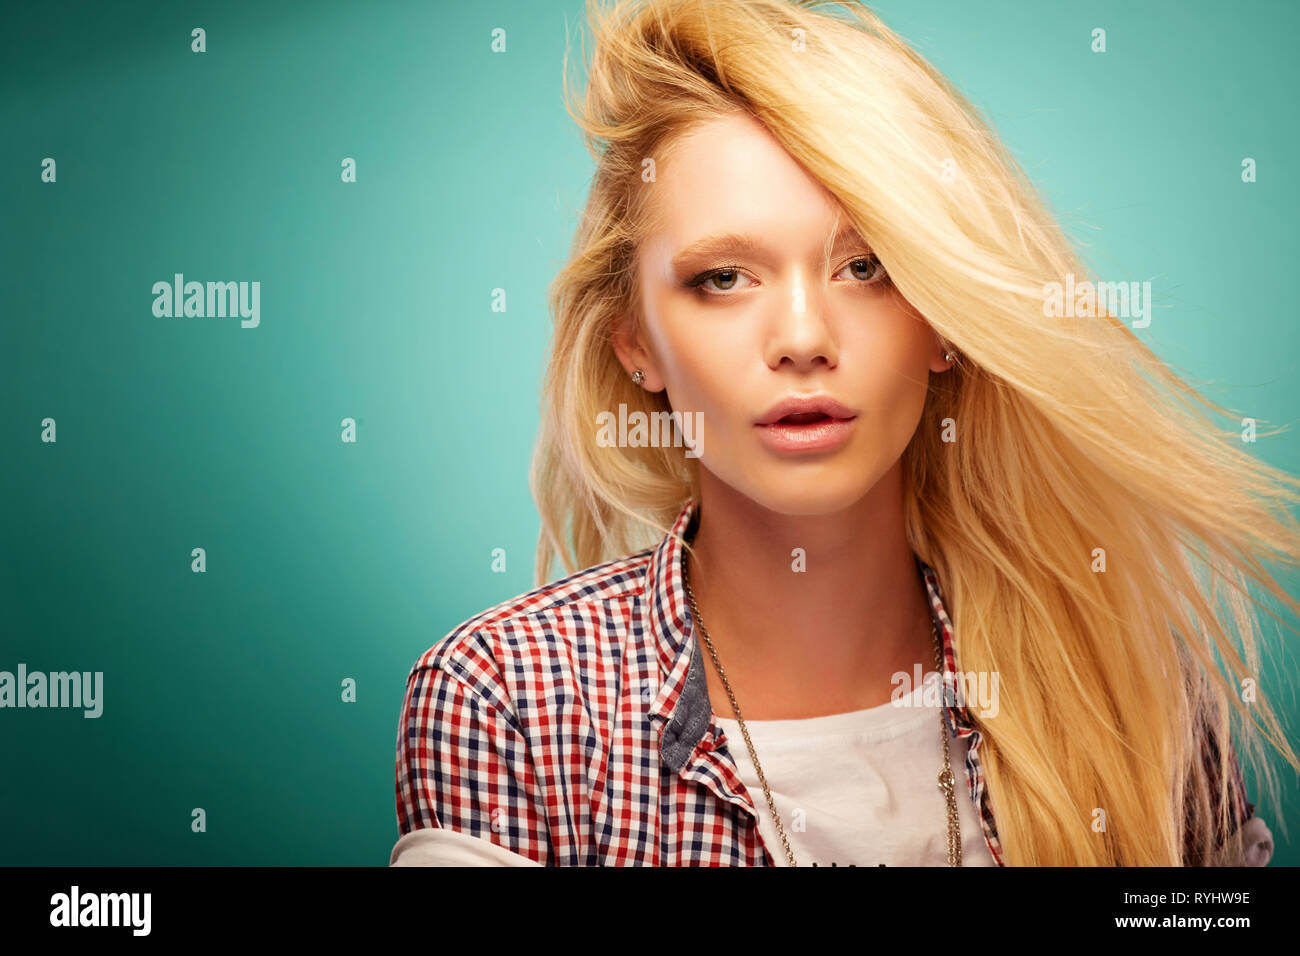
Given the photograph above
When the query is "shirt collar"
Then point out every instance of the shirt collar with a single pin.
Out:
(682, 702)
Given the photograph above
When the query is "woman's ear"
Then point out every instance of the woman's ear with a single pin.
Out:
(631, 350)
(941, 355)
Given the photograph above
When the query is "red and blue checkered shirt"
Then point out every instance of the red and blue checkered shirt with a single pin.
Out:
(571, 725)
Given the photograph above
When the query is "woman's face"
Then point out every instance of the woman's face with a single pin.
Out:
(733, 329)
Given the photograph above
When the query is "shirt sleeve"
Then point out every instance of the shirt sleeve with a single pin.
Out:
(1250, 842)
(463, 765)
(1250, 845)
(438, 846)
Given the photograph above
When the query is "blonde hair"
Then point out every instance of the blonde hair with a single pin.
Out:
(1074, 442)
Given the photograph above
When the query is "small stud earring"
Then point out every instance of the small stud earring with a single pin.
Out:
(638, 377)
(947, 356)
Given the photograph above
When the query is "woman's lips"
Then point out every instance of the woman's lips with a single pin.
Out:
(806, 432)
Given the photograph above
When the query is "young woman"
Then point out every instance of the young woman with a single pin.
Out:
(888, 456)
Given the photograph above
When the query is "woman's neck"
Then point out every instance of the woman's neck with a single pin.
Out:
(809, 614)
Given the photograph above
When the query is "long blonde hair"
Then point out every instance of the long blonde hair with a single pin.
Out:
(1092, 529)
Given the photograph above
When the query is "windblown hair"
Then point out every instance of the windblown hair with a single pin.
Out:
(1094, 531)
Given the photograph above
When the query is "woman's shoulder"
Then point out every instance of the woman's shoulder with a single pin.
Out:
(587, 611)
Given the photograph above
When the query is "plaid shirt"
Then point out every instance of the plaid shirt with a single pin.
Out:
(571, 725)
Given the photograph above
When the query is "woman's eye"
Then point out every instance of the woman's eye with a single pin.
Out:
(724, 280)
(719, 283)
(868, 269)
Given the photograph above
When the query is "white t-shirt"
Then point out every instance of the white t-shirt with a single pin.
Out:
(859, 788)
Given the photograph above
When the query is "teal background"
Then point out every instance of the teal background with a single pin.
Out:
(329, 560)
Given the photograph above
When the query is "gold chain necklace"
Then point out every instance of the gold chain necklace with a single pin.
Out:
(946, 781)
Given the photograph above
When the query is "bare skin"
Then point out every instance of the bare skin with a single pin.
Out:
(778, 321)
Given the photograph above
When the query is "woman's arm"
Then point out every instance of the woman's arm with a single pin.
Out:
(463, 766)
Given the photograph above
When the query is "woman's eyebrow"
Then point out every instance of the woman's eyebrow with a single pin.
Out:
(733, 243)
